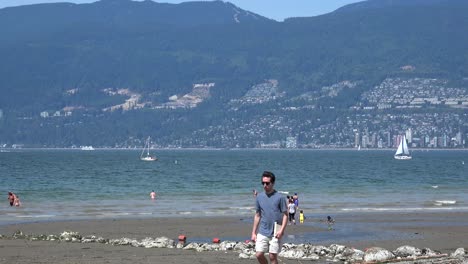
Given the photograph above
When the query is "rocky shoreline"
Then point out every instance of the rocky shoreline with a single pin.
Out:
(393, 238)
(246, 250)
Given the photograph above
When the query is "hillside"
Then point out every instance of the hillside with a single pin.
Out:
(115, 71)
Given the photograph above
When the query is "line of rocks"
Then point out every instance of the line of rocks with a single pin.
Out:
(333, 253)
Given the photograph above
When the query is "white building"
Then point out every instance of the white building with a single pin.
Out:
(291, 142)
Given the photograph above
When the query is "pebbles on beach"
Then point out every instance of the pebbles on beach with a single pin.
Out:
(246, 250)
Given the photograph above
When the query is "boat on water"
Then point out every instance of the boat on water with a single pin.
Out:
(87, 148)
(402, 152)
(145, 154)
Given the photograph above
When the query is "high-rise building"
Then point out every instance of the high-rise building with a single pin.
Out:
(389, 140)
(365, 142)
(458, 138)
(409, 135)
(357, 141)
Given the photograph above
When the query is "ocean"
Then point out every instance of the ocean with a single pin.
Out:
(76, 184)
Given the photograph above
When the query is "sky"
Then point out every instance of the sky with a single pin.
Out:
(274, 9)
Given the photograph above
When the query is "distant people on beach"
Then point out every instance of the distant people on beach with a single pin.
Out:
(292, 212)
(11, 198)
(17, 201)
(330, 222)
(295, 197)
(270, 221)
(255, 193)
(301, 216)
(152, 195)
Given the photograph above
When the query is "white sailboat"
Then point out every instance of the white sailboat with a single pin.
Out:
(145, 154)
(402, 152)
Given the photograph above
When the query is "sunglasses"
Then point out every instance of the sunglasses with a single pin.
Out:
(267, 183)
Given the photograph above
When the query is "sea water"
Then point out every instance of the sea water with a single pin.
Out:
(76, 184)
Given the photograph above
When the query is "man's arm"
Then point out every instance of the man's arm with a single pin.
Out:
(280, 232)
(255, 226)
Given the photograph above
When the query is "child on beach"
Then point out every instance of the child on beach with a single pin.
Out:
(17, 201)
(152, 195)
(301, 217)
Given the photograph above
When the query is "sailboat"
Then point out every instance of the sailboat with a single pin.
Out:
(145, 154)
(402, 152)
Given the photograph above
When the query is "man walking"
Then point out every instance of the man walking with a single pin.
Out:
(270, 221)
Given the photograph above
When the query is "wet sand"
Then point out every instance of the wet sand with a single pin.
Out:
(443, 232)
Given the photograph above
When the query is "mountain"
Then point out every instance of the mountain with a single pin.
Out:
(121, 69)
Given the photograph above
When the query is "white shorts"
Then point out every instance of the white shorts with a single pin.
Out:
(267, 244)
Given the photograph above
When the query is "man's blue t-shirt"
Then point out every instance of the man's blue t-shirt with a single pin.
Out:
(271, 208)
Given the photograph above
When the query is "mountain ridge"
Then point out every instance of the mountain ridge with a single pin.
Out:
(89, 62)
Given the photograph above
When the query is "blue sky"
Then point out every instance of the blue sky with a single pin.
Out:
(275, 9)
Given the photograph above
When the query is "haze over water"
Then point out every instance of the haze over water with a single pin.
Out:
(75, 184)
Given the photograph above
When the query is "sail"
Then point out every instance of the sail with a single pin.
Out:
(400, 147)
(145, 148)
(403, 151)
(145, 153)
(405, 146)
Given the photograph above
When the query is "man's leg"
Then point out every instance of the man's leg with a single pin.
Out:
(273, 258)
(261, 258)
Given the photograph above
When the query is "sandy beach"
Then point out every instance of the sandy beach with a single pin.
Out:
(443, 232)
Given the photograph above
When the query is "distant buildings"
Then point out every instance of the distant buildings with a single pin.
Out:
(291, 142)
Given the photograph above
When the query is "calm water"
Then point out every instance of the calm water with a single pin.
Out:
(75, 184)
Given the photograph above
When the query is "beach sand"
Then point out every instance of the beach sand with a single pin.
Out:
(443, 232)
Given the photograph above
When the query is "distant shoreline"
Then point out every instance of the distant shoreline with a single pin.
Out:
(240, 149)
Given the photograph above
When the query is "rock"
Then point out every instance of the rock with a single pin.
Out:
(377, 254)
(407, 251)
(94, 239)
(459, 253)
(192, 246)
(429, 252)
(292, 254)
(246, 256)
(122, 241)
(70, 236)
(350, 255)
(160, 242)
(39, 238)
(228, 245)
(180, 245)
(320, 250)
(336, 249)
(18, 235)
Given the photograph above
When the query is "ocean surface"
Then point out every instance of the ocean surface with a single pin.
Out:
(77, 184)
(58, 185)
